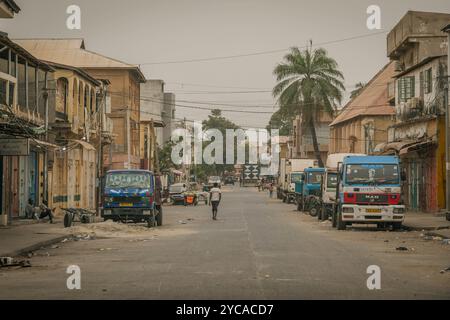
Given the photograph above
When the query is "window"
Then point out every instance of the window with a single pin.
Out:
(61, 95)
(12, 88)
(41, 87)
(32, 94)
(4, 61)
(22, 84)
(428, 81)
(3, 90)
(406, 88)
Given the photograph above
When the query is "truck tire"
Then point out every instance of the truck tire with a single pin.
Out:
(341, 225)
(68, 219)
(313, 211)
(284, 199)
(159, 217)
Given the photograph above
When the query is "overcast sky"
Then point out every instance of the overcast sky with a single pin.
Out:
(152, 31)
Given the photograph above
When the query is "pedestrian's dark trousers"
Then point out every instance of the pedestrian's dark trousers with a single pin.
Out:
(215, 205)
(47, 213)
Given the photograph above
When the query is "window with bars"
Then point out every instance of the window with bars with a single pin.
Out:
(406, 88)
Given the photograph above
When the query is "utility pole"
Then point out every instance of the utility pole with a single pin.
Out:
(447, 125)
(45, 177)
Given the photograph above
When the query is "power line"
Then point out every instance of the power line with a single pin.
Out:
(260, 52)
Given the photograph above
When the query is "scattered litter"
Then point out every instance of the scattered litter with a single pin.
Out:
(190, 219)
(54, 247)
(267, 276)
(401, 249)
(446, 241)
(386, 240)
(445, 270)
(427, 238)
(65, 240)
(6, 262)
(438, 238)
(182, 222)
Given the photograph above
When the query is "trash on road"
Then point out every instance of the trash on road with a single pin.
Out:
(6, 262)
(446, 241)
(401, 249)
(445, 270)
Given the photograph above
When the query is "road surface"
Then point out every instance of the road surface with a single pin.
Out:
(259, 248)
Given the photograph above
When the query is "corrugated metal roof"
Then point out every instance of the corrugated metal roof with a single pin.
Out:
(72, 52)
(373, 99)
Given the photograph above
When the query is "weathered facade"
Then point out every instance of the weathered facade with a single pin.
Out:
(157, 113)
(124, 87)
(363, 123)
(419, 48)
(80, 103)
(24, 138)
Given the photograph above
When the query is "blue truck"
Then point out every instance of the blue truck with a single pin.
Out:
(132, 195)
(309, 189)
(369, 192)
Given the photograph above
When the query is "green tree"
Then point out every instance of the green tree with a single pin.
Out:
(358, 88)
(311, 81)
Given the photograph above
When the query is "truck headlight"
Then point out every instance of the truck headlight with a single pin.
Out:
(348, 210)
(399, 210)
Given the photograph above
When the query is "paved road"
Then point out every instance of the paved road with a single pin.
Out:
(258, 249)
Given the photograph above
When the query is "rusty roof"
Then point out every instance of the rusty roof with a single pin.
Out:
(72, 52)
(373, 99)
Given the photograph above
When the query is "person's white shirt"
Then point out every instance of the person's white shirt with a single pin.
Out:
(215, 194)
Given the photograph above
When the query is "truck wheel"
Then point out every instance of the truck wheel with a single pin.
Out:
(396, 226)
(313, 212)
(341, 225)
(284, 199)
(159, 217)
(68, 219)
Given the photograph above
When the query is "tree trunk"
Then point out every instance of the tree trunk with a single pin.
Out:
(314, 140)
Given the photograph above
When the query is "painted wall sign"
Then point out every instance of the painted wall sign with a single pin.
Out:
(14, 147)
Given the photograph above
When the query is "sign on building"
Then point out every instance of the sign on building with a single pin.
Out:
(14, 147)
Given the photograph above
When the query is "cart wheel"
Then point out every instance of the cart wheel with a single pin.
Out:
(84, 219)
(68, 219)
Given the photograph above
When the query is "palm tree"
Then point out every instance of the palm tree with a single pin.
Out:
(311, 81)
(358, 88)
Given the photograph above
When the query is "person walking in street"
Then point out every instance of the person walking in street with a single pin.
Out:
(271, 190)
(215, 196)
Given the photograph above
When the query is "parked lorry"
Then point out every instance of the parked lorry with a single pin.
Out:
(130, 195)
(309, 190)
(330, 182)
(294, 174)
(369, 192)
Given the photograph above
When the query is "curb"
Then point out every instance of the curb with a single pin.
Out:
(436, 234)
(421, 228)
(36, 246)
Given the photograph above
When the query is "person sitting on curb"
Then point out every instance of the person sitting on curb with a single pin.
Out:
(45, 211)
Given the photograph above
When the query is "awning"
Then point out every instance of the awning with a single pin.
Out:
(394, 147)
(417, 146)
(85, 144)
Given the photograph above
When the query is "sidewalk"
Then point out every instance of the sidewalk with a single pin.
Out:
(27, 235)
(433, 223)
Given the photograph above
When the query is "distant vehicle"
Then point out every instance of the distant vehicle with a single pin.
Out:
(310, 191)
(129, 195)
(369, 191)
(229, 181)
(330, 183)
(294, 174)
(176, 193)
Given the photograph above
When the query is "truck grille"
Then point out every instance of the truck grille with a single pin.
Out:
(371, 198)
(127, 199)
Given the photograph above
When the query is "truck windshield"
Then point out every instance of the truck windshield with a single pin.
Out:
(128, 180)
(372, 173)
(296, 177)
(331, 180)
(315, 177)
